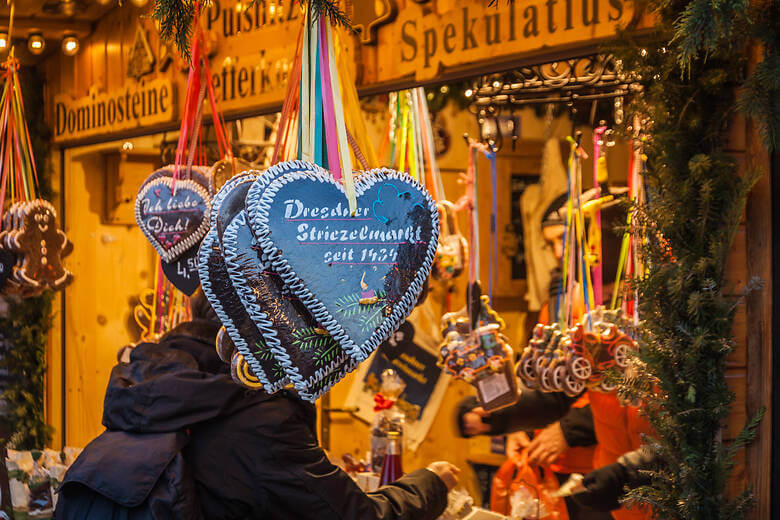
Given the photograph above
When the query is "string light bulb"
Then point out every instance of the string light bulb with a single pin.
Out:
(35, 43)
(4, 43)
(70, 45)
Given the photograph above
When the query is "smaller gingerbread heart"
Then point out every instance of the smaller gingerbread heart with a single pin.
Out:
(173, 214)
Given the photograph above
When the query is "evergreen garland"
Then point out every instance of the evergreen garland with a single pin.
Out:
(691, 81)
(24, 335)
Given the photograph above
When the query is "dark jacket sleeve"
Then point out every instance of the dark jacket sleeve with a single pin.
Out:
(304, 484)
(577, 427)
(605, 486)
(533, 410)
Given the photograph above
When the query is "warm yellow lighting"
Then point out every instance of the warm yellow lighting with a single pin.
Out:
(3, 41)
(36, 43)
(70, 45)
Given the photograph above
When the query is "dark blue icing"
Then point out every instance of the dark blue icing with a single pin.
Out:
(173, 214)
(313, 361)
(183, 272)
(338, 264)
(223, 298)
(232, 202)
(290, 331)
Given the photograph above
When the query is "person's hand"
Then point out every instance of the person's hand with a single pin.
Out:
(472, 422)
(547, 446)
(515, 442)
(448, 473)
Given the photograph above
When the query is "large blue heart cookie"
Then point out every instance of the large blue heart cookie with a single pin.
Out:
(312, 359)
(173, 215)
(223, 298)
(359, 276)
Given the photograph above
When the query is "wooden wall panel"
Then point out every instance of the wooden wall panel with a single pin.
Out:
(112, 265)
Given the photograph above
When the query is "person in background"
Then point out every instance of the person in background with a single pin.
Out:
(184, 441)
(619, 457)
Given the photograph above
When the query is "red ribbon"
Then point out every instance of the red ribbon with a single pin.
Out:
(382, 403)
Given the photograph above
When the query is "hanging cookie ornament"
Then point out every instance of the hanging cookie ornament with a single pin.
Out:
(311, 357)
(173, 204)
(582, 346)
(474, 349)
(33, 246)
(256, 358)
(324, 263)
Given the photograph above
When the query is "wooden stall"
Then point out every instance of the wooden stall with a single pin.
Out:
(113, 105)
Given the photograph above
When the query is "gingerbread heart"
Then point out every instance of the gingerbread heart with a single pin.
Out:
(312, 359)
(223, 298)
(173, 215)
(359, 276)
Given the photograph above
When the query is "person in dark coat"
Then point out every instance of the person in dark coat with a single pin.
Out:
(183, 441)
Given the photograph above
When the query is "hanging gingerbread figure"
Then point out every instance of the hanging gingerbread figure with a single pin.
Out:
(42, 246)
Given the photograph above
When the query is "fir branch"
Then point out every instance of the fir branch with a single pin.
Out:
(174, 17)
(24, 337)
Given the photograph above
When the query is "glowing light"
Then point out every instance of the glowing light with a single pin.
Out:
(36, 43)
(70, 45)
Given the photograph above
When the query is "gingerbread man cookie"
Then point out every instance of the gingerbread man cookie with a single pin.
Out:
(42, 246)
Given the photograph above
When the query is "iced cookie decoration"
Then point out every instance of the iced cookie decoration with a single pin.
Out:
(173, 213)
(475, 350)
(359, 275)
(40, 245)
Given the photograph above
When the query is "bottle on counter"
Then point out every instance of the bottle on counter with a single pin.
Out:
(388, 418)
(392, 468)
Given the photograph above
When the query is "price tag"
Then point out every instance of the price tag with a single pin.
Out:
(183, 273)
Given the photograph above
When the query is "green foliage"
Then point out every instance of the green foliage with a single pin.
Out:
(368, 315)
(708, 27)
(25, 333)
(175, 18)
(697, 199)
(307, 339)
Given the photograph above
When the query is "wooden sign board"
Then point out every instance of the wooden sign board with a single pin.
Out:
(470, 32)
(133, 106)
(251, 54)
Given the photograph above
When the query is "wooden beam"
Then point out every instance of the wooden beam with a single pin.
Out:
(52, 28)
(759, 318)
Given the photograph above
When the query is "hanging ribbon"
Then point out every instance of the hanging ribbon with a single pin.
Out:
(17, 165)
(599, 169)
(321, 107)
(493, 249)
(198, 87)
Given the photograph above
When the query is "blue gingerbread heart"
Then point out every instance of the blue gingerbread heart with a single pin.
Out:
(217, 287)
(312, 359)
(359, 276)
(173, 214)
